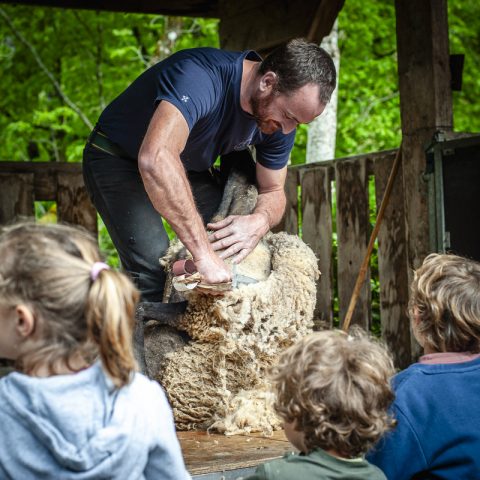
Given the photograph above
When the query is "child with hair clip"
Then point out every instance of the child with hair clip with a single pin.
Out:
(333, 394)
(436, 405)
(76, 408)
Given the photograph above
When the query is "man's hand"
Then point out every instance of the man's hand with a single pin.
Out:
(213, 269)
(238, 234)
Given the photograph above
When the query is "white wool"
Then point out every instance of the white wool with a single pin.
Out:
(218, 379)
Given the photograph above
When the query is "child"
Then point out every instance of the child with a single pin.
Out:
(333, 394)
(65, 414)
(438, 432)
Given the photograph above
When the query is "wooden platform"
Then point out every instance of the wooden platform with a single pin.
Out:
(215, 456)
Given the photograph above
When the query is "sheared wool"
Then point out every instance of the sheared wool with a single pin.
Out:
(218, 380)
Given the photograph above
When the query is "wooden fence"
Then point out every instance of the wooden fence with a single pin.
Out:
(23, 183)
(310, 190)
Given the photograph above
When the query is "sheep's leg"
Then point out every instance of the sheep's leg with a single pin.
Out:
(165, 313)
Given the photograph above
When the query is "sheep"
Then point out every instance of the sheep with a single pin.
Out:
(215, 377)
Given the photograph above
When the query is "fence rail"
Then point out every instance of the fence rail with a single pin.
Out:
(23, 183)
(323, 200)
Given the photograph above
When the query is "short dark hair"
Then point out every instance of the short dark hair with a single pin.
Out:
(298, 63)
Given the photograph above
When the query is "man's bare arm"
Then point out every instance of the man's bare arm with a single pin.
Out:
(271, 194)
(167, 186)
(239, 234)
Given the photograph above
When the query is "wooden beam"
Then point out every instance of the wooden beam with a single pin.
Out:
(323, 20)
(423, 66)
(44, 175)
(264, 24)
(186, 8)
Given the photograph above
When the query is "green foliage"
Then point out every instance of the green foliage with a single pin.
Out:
(368, 99)
(91, 56)
(94, 56)
(299, 152)
(464, 36)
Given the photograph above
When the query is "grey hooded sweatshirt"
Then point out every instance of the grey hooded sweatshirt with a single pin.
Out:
(79, 427)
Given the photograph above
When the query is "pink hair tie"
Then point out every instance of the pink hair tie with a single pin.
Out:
(97, 267)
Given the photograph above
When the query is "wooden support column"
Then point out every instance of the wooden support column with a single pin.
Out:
(426, 105)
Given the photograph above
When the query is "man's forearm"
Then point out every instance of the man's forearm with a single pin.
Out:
(167, 186)
(272, 205)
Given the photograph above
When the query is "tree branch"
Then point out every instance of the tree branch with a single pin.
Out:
(98, 57)
(365, 112)
(45, 70)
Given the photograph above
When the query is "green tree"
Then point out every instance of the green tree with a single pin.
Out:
(60, 68)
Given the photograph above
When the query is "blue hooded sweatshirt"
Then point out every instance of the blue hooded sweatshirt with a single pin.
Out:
(79, 427)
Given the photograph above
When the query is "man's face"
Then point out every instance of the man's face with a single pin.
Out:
(277, 111)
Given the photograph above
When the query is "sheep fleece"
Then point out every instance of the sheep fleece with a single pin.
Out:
(218, 380)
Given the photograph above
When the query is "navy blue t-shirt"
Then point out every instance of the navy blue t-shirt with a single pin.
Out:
(204, 84)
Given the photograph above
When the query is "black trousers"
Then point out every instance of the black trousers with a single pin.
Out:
(135, 227)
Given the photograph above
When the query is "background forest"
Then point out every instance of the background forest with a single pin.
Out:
(60, 68)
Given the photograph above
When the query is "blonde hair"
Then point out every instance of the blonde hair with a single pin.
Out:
(336, 389)
(445, 303)
(48, 268)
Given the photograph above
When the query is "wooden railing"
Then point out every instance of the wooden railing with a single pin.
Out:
(23, 183)
(310, 190)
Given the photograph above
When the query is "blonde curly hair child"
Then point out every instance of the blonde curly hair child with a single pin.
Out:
(333, 394)
(438, 432)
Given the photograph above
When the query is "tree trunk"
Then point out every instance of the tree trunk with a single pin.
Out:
(323, 130)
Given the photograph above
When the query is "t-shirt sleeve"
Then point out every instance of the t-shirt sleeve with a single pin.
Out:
(274, 150)
(189, 87)
(399, 454)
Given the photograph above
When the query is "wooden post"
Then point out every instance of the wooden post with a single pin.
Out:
(426, 105)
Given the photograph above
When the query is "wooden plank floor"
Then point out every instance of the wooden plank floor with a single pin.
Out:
(208, 453)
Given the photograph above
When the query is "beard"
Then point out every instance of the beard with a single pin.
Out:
(260, 111)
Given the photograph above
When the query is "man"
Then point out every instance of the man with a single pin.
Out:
(151, 153)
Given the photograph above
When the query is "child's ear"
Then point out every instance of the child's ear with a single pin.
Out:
(25, 320)
(415, 322)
